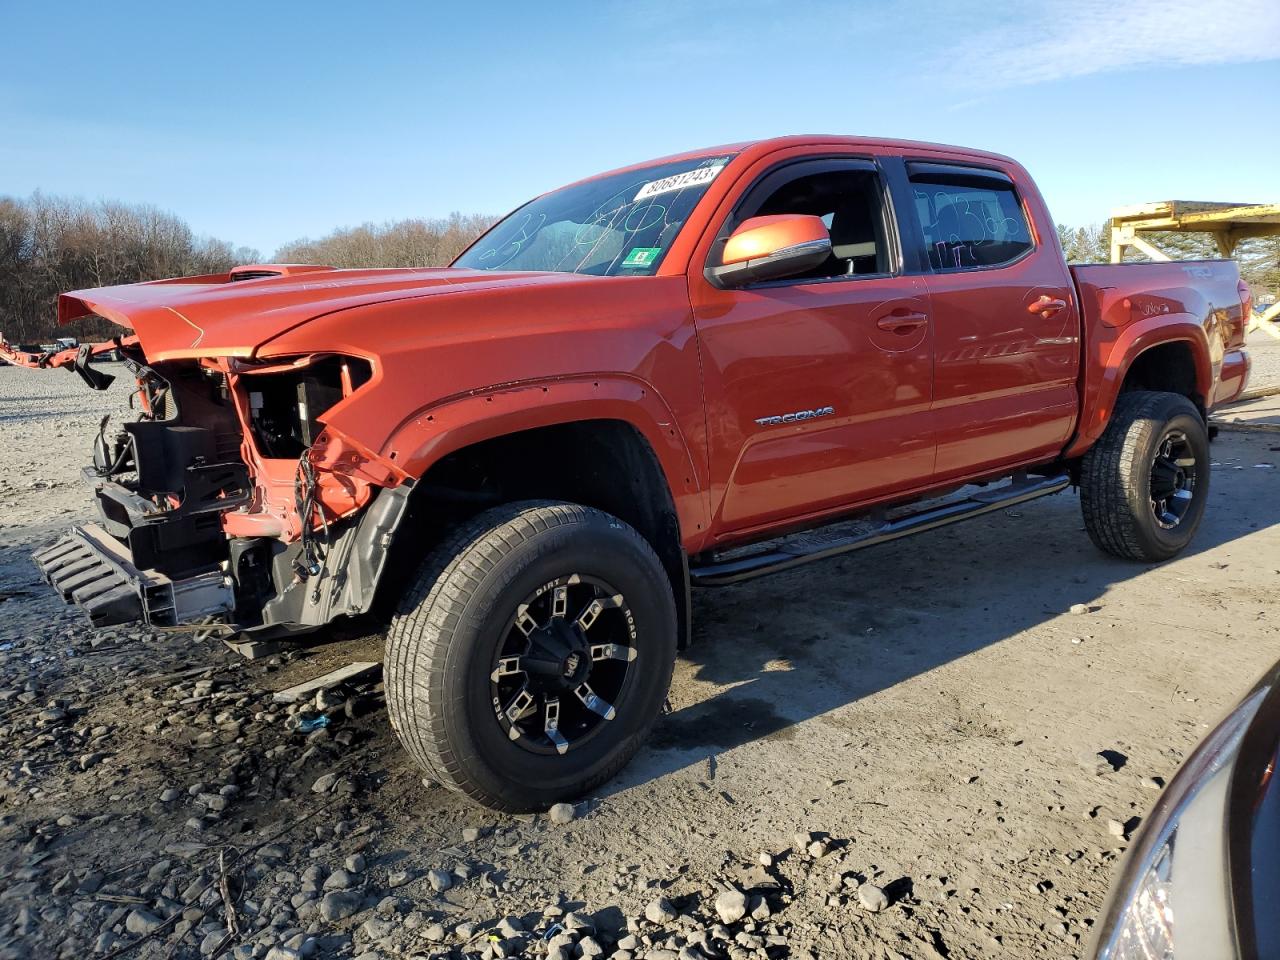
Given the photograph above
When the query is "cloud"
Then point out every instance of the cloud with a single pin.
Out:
(970, 49)
(1028, 43)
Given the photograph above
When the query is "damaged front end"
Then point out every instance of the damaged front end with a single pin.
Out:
(227, 505)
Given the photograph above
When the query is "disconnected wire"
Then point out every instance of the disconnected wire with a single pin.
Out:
(306, 498)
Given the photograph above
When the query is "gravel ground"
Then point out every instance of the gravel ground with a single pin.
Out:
(896, 754)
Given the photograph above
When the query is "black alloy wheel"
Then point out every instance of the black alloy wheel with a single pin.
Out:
(1173, 479)
(1144, 484)
(565, 665)
(532, 654)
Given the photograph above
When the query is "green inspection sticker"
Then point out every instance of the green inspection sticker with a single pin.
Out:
(641, 256)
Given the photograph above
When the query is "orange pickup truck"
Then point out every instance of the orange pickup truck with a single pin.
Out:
(626, 388)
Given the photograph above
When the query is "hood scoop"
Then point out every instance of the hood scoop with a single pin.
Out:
(257, 271)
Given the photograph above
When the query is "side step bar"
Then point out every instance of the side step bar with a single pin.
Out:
(773, 560)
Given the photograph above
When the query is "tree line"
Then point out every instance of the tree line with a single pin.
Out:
(398, 243)
(49, 245)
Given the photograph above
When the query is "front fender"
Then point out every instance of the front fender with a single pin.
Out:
(1111, 358)
(453, 423)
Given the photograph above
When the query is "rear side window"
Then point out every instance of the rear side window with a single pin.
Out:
(971, 218)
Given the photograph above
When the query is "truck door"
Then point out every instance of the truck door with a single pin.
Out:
(818, 386)
(1005, 323)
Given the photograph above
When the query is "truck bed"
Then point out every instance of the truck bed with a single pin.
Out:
(1120, 301)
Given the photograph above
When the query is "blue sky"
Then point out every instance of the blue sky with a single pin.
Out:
(264, 122)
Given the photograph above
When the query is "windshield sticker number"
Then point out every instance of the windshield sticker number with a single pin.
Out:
(641, 256)
(679, 181)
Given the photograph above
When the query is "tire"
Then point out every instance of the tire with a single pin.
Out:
(1126, 471)
(447, 695)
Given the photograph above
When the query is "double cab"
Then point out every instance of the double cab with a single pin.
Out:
(637, 384)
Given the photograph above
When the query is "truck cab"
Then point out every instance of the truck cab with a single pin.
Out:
(942, 331)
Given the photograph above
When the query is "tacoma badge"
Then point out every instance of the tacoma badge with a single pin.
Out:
(796, 417)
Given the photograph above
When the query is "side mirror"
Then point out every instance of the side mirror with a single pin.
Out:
(770, 248)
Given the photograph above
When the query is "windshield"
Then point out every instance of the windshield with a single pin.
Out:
(619, 225)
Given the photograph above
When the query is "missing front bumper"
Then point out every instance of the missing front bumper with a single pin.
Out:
(92, 570)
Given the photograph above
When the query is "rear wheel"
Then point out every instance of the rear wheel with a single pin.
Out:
(533, 654)
(1144, 484)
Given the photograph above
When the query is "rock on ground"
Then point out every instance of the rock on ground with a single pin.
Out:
(937, 760)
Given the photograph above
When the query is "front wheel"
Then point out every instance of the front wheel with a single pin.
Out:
(1145, 483)
(531, 657)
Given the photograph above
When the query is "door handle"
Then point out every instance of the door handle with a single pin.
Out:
(1046, 306)
(903, 322)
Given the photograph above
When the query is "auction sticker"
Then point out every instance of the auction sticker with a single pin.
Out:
(641, 256)
(679, 181)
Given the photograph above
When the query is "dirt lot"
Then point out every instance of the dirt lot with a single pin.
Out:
(929, 713)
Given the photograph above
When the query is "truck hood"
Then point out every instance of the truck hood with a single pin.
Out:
(234, 314)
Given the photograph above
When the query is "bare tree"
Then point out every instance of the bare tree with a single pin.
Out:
(49, 245)
(401, 243)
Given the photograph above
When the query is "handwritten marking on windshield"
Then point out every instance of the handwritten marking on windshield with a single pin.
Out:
(493, 257)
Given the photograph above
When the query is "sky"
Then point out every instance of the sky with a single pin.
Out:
(261, 123)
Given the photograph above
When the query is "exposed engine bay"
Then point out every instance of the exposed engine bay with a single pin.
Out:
(226, 505)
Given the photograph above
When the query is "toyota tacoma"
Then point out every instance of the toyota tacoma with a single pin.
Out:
(638, 384)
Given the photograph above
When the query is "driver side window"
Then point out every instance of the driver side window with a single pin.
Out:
(849, 203)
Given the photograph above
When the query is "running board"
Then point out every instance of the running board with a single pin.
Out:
(773, 560)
